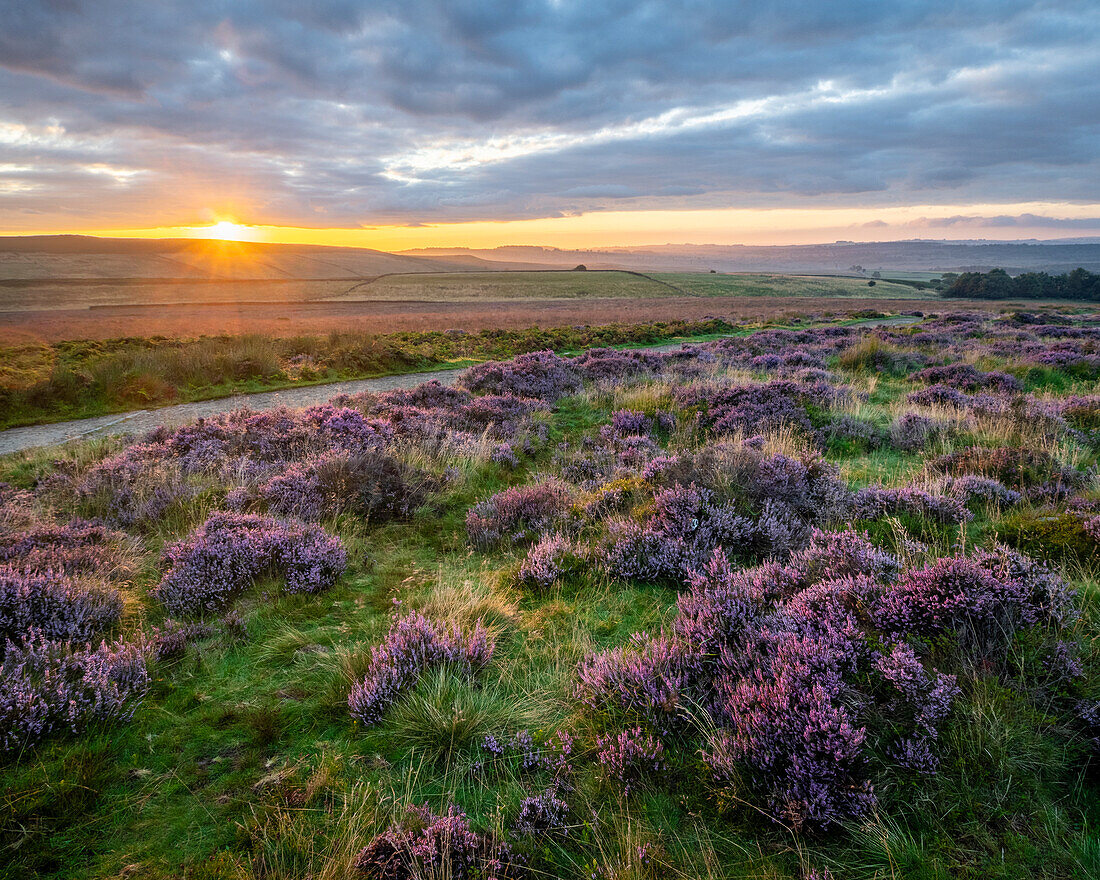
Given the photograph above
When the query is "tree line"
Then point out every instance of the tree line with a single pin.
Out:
(998, 284)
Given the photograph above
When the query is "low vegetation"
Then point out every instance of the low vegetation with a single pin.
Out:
(796, 603)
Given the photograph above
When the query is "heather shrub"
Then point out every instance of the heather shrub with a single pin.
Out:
(611, 365)
(967, 377)
(755, 408)
(973, 489)
(414, 645)
(630, 756)
(171, 638)
(1034, 472)
(518, 515)
(53, 606)
(912, 432)
(426, 845)
(540, 814)
(546, 563)
(230, 551)
(540, 374)
(79, 547)
(372, 484)
(847, 432)
(875, 502)
(815, 675)
(48, 687)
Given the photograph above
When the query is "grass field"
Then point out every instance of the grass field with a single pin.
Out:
(476, 286)
(787, 285)
(243, 761)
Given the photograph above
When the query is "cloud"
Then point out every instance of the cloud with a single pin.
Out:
(338, 112)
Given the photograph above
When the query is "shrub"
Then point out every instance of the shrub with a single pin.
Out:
(413, 645)
(371, 484)
(53, 606)
(545, 563)
(540, 374)
(518, 515)
(1031, 471)
(543, 813)
(912, 432)
(76, 548)
(875, 502)
(48, 687)
(227, 553)
(630, 756)
(427, 845)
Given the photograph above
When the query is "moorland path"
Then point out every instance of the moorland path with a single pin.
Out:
(140, 421)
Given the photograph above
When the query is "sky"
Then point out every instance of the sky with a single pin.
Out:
(477, 123)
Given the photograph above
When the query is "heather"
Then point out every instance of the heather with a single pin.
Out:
(729, 609)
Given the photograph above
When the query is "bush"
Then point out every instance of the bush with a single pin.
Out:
(230, 551)
(519, 515)
(413, 646)
(541, 374)
(48, 687)
(427, 845)
(53, 606)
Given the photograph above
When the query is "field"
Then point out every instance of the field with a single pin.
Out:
(394, 636)
(788, 285)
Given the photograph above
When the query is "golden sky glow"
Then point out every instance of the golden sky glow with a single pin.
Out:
(633, 228)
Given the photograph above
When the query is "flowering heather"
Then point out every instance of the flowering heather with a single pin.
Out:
(875, 502)
(543, 813)
(808, 672)
(426, 845)
(925, 700)
(53, 606)
(545, 563)
(973, 489)
(540, 374)
(967, 377)
(518, 515)
(371, 484)
(1034, 472)
(648, 681)
(227, 553)
(414, 645)
(48, 687)
(171, 638)
(912, 432)
(630, 756)
(752, 409)
(80, 547)
(686, 526)
(940, 395)
(628, 422)
(846, 428)
(611, 365)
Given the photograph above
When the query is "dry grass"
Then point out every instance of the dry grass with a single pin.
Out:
(494, 286)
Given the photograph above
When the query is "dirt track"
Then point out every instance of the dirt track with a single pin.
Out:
(293, 319)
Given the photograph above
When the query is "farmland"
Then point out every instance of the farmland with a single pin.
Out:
(397, 631)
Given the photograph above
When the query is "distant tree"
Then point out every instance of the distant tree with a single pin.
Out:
(713, 272)
(870, 283)
(580, 267)
(876, 274)
(1080, 284)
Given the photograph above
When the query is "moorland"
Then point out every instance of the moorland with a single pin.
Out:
(810, 600)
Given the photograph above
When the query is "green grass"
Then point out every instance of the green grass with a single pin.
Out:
(706, 284)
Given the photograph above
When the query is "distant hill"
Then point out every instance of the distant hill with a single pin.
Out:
(60, 257)
(839, 257)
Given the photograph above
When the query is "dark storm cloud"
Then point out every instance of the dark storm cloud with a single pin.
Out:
(345, 113)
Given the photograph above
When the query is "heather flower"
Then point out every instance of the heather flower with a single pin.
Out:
(545, 563)
(912, 432)
(230, 551)
(540, 374)
(428, 845)
(48, 687)
(543, 813)
(413, 646)
(53, 606)
(517, 515)
(875, 502)
(630, 756)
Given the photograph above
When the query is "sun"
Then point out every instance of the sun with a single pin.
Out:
(225, 230)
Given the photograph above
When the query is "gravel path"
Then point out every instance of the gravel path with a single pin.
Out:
(140, 421)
